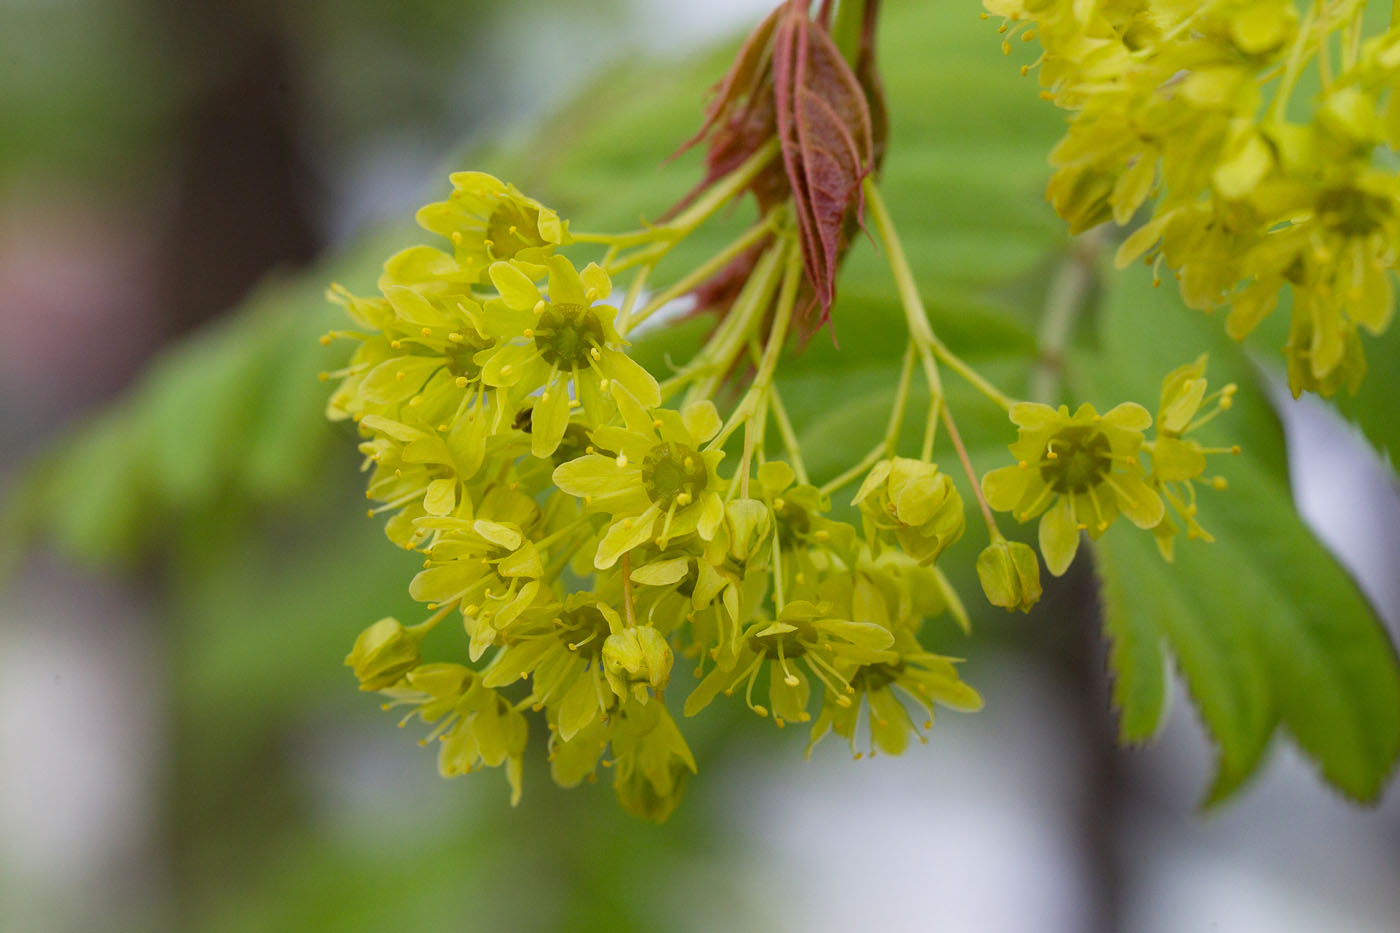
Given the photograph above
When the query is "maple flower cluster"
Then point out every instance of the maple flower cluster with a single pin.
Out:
(584, 533)
(1255, 192)
(588, 521)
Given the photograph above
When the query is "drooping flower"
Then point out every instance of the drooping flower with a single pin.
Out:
(1078, 471)
(475, 724)
(913, 501)
(920, 676)
(384, 652)
(1179, 461)
(560, 647)
(803, 632)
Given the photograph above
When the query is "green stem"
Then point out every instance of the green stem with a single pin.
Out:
(846, 30)
(972, 479)
(723, 348)
(789, 436)
(889, 443)
(777, 336)
(1073, 281)
(706, 269)
(724, 190)
(914, 312)
(634, 292)
(1293, 70)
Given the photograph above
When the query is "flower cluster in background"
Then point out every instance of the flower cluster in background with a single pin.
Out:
(1200, 109)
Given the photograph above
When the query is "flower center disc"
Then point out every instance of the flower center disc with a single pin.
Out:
(672, 469)
(874, 676)
(460, 360)
(1352, 213)
(566, 333)
(1082, 459)
(511, 228)
(791, 642)
(577, 627)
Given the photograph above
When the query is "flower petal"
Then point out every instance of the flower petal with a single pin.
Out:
(596, 281)
(622, 369)
(1130, 416)
(623, 536)
(701, 420)
(1005, 487)
(1059, 537)
(550, 418)
(565, 286)
(515, 287)
(1138, 501)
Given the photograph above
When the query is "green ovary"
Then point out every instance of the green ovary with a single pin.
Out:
(1082, 458)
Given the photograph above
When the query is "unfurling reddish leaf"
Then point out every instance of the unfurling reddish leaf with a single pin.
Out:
(790, 82)
(824, 130)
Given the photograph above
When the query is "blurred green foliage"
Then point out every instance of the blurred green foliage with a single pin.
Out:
(220, 467)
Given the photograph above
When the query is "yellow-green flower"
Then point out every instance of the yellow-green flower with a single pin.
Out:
(660, 487)
(475, 725)
(637, 660)
(489, 569)
(803, 632)
(913, 501)
(1178, 461)
(1079, 471)
(487, 221)
(650, 759)
(565, 346)
(560, 648)
(919, 676)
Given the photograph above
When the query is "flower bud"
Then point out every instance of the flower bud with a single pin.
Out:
(916, 501)
(383, 653)
(1010, 575)
(637, 658)
(750, 524)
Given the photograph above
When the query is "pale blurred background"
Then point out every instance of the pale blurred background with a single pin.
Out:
(157, 160)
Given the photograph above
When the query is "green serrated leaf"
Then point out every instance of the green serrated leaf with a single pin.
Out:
(1137, 655)
(1265, 625)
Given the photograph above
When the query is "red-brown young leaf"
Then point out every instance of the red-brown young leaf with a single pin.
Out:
(827, 143)
(790, 81)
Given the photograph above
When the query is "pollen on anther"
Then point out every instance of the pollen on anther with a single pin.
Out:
(426, 332)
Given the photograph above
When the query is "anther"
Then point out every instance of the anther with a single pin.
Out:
(426, 332)
(541, 306)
